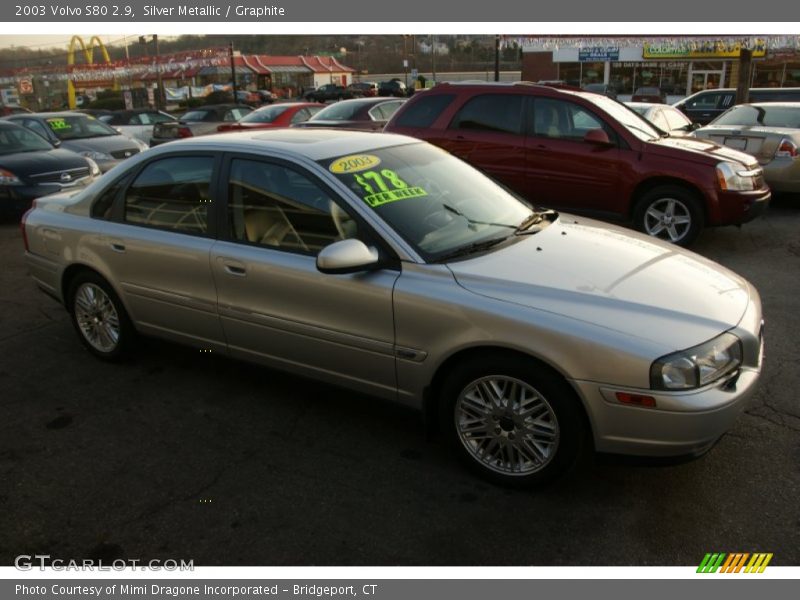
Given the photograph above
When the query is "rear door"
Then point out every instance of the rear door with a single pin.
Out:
(157, 247)
(488, 132)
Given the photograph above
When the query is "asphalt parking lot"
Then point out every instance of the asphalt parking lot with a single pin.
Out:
(177, 454)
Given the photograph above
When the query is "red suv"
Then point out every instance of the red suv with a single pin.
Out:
(586, 153)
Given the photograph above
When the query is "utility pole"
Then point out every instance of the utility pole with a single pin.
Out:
(160, 97)
(743, 85)
(497, 58)
(233, 70)
(433, 58)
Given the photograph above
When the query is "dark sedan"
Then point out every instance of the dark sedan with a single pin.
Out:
(83, 134)
(198, 121)
(31, 167)
(370, 114)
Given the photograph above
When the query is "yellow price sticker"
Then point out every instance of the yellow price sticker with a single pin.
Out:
(354, 163)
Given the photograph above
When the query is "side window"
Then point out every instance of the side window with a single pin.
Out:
(498, 113)
(676, 119)
(272, 205)
(137, 120)
(158, 118)
(172, 193)
(424, 111)
(301, 115)
(704, 101)
(37, 127)
(564, 120)
(387, 109)
(660, 121)
(104, 205)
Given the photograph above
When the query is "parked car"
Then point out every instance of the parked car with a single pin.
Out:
(667, 118)
(137, 123)
(770, 132)
(360, 113)
(601, 88)
(327, 92)
(248, 97)
(393, 87)
(649, 94)
(31, 167)
(13, 109)
(284, 114)
(267, 96)
(198, 121)
(589, 154)
(367, 89)
(385, 265)
(705, 106)
(82, 134)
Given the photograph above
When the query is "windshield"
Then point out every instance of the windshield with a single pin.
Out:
(195, 115)
(341, 111)
(264, 115)
(769, 116)
(437, 203)
(76, 127)
(16, 139)
(632, 121)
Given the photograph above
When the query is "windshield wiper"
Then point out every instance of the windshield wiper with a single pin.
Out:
(536, 217)
(472, 248)
(455, 211)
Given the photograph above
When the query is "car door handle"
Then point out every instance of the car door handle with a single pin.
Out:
(233, 267)
(118, 247)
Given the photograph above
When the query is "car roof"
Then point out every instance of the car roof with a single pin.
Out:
(315, 144)
(58, 114)
(772, 104)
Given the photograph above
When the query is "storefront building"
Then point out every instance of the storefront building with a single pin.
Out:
(677, 67)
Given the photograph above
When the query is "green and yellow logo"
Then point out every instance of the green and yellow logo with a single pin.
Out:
(734, 563)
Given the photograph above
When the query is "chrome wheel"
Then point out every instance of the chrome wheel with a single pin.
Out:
(506, 425)
(668, 218)
(97, 318)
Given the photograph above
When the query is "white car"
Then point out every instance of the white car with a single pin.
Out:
(667, 118)
(137, 123)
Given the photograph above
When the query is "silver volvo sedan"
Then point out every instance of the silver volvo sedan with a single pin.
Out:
(385, 265)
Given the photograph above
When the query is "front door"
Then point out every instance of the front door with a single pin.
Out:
(566, 171)
(275, 306)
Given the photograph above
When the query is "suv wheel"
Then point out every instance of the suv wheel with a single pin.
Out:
(670, 213)
(512, 420)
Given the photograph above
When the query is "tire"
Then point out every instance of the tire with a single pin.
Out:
(527, 442)
(99, 317)
(671, 213)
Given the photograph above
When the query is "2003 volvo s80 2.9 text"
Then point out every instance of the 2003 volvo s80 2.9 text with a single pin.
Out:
(385, 265)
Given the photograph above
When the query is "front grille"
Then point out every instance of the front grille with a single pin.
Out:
(57, 176)
(127, 153)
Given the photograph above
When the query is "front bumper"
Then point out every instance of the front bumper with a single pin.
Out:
(735, 208)
(704, 417)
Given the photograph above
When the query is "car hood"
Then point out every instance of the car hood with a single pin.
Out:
(107, 144)
(31, 163)
(693, 149)
(613, 278)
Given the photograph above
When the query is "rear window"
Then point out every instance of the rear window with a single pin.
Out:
(761, 116)
(424, 111)
(498, 113)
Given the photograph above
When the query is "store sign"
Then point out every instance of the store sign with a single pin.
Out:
(707, 49)
(598, 54)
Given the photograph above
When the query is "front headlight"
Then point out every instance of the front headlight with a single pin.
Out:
(8, 178)
(140, 144)
(93, 168)
(96, 155)
(698, 366)
(736, 178)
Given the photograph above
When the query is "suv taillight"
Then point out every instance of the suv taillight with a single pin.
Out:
(786, 149)
(22, 226)
(184, 132)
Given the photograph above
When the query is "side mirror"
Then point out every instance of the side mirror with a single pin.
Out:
(56, 143)
(346, 256)
(597, 136)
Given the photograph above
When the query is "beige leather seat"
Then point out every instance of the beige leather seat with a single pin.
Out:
(266, 226)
